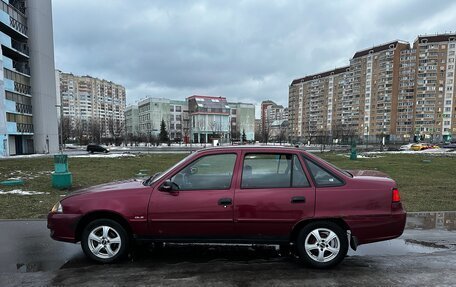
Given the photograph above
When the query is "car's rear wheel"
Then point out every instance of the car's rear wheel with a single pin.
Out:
(322, 244)
(104, 240)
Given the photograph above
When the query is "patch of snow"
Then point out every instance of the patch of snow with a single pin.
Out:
(112, 155)
(362, 156)
(426, 151)
(22, 192)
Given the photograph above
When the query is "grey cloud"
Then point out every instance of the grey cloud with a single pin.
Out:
(244, 50)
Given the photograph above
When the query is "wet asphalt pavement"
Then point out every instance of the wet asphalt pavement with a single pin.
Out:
(421, 257)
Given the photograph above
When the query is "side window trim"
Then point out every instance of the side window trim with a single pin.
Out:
(233, 175)
(325, 169)
(296, 157)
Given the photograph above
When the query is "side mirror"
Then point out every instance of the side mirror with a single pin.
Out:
(169, 186)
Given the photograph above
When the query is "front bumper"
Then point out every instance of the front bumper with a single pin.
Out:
(63, 226)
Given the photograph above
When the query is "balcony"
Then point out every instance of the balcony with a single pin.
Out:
(13, 49)
(13, 20)
(24, 128)
(16, 87)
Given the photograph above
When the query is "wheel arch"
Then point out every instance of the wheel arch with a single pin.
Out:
(298, 226)
(100, 214)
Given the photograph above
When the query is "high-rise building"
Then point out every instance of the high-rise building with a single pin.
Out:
(28, 119)
(90, 103)
(435, 109)
(270, 112)
(393, 92)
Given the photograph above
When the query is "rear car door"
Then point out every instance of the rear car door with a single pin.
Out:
(201, 206)
(272, 195)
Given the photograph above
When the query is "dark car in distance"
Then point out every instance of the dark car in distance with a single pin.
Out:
(245, 194)
(97, 148)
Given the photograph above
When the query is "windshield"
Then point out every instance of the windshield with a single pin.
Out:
(159, 175)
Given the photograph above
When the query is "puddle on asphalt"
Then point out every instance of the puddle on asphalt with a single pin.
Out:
(393, 247)
(70, 256)
(200, 253)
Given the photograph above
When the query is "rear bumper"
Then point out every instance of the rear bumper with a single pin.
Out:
(377, 228)
(63, 226)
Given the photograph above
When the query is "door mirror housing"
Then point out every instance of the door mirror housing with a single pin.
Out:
(169, 186)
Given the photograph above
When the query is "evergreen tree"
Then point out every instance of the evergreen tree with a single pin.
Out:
(163, 136)
(244, 137)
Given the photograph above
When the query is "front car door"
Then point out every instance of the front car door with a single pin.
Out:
(273, 194)
(201, 204)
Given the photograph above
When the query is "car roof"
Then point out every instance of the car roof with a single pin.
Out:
(254, 148)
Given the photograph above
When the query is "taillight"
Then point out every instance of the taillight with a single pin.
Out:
(396, 196)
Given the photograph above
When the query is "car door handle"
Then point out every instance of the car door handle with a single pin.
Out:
(225, 201)
(298, 199)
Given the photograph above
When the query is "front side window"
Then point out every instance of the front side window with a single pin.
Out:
(321, 176)
(272, 171)
(207, 172)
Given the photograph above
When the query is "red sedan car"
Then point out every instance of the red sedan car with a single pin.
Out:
(267, 195)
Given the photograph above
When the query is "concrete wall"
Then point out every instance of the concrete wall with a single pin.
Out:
(42, 67)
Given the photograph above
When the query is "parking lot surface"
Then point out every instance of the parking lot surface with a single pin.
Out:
(28, 257)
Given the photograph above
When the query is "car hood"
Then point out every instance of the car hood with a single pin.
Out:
(363, 172)
(110, 187)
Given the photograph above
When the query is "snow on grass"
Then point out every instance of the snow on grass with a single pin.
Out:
(111, 155)
(22, 192)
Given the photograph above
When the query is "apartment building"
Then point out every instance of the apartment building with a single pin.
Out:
(270, 112)
(242, 119)
(435, 111)
(28, 120)
(392, 92)
(90, 103)
(320, 104)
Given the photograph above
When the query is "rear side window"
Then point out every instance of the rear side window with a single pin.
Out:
(272, 171)
(321, 176)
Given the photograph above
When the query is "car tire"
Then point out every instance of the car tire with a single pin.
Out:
(105, 241)
(314, 248)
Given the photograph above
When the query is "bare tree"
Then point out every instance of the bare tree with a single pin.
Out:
(282, 135)
(66, 129)
(115, 129)
(78, 130)
(95, 130)
(266, 132)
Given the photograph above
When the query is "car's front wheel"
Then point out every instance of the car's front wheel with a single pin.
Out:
(322, 244)
(105, 240)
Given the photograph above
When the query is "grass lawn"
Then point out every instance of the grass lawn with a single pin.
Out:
(426, 183)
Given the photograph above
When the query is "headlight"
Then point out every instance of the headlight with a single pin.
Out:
(57, 208)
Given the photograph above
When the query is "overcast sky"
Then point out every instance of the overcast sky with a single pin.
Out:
(247, 51)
